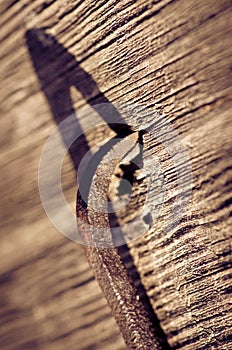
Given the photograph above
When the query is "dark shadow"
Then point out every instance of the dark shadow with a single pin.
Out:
(58, 70)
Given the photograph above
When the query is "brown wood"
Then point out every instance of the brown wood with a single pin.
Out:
(174, 56)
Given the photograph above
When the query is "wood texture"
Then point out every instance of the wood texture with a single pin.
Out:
(174, 56)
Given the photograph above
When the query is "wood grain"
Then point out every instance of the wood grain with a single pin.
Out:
(174, 56)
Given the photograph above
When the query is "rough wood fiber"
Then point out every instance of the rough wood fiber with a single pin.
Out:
(175, 56)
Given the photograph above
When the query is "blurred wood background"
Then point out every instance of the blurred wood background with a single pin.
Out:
(171, 55)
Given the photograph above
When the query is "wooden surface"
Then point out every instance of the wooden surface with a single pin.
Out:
(174, 56)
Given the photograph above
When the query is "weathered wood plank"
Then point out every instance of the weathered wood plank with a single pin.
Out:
(174, 56)
(52, 300)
